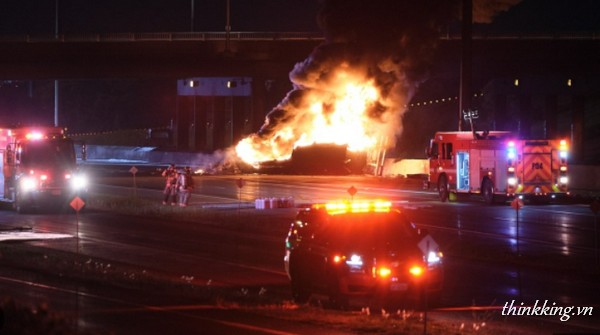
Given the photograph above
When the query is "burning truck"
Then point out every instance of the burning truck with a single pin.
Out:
(353, 89)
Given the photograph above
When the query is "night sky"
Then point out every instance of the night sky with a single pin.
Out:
(109, 16)
(106, 16)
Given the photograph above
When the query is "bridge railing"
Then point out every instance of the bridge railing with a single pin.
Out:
(160, 37)
(528, 36)
(260, 36)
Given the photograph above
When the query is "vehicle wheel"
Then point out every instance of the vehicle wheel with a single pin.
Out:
(337, 299)
(20, 208)
(18, 205)
(487, 191)
(443, 188)
(300, 293)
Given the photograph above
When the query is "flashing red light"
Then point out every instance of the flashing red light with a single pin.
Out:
(416, 270)
(34, 136)
(338, 258)
(384, 272)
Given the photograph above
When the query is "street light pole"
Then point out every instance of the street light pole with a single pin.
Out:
(192, 14)
(56, 88)
(466, 60)
(227, 27)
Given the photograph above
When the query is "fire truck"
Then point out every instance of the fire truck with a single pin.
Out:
(39, 167)
(497, 165)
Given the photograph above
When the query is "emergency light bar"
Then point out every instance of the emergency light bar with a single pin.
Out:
(34, 136)
(511, 151)
(376, 206)
(563, 149)
(35, 133)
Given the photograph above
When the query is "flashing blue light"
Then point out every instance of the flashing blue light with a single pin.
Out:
(511, 153)
(563, 154)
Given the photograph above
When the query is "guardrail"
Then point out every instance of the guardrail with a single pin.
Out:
(260, 36)
(166, 37)
(532, 36)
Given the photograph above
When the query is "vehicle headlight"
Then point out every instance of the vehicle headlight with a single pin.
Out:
(512, 181)
(434, 257)
(564, 180)
(354, 260)
(28, 184)
(79, 182)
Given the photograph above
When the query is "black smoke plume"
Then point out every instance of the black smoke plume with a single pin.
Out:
(390, 42)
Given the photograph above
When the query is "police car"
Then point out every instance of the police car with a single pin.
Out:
(364, 250)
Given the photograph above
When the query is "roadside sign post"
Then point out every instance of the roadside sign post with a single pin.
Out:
(134, 171)
(240, 183)
(517, 204)
(352, 191)
(427, 244)
(77, 204)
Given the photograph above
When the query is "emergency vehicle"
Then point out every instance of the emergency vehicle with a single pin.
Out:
(362, 252)
(497, 165)
(39, 167)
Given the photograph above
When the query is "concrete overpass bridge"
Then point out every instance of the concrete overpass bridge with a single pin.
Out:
(273, 54)
(185, 54)
(142, 55)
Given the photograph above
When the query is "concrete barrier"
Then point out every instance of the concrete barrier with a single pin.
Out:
(149, 155)
(582, 178)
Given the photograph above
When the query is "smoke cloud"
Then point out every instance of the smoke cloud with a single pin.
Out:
(484, 11)
(388, 42)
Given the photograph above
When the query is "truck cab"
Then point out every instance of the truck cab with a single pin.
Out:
(39, 168)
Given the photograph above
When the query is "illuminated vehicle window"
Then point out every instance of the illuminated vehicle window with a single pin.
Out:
(41, 153)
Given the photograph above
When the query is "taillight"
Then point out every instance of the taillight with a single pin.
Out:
(384, 272)
(416, 270)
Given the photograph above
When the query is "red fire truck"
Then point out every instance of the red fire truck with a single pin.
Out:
(497, 165)
(39, 167)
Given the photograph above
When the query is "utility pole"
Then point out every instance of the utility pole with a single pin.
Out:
(227, 27)
(56, 86)
(192, 18)
(466, 60)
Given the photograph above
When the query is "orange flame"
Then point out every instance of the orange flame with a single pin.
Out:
(339, 115)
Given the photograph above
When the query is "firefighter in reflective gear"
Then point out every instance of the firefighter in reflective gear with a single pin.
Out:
(185, 185)
(170, 192)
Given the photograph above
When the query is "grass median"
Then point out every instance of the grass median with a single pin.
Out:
(264, 301)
